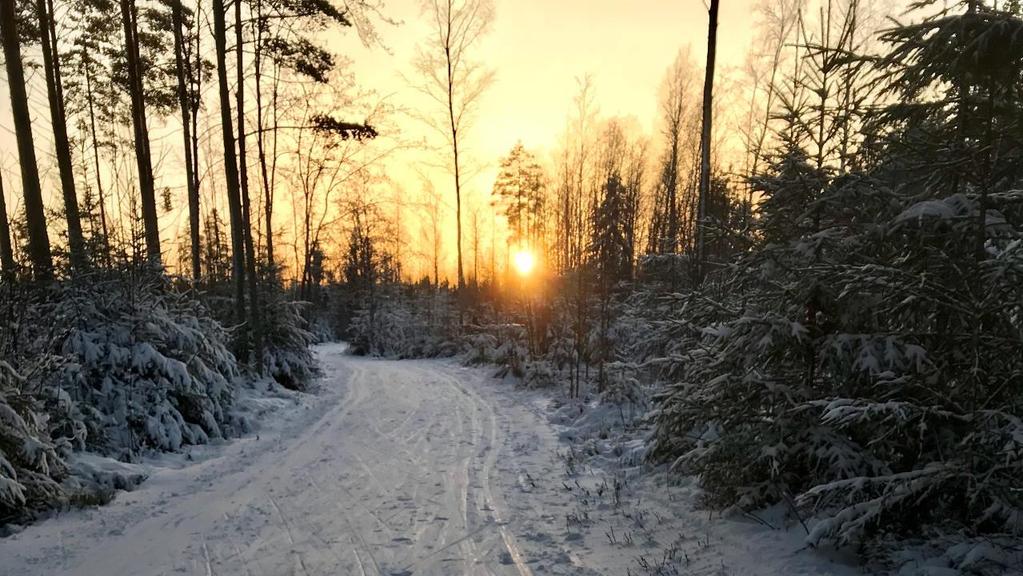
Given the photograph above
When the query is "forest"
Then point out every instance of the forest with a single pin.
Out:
(802, 278)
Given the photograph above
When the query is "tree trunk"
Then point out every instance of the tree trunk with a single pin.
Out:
(243, 180)
(186, 128)
(7, 265)
(705, 141)
(268, 197)
(55, 94)
(458, 191)
(38, 238)
(193, 118)
(230, 161)
(454, 147)
(143, 157)
(100, 196)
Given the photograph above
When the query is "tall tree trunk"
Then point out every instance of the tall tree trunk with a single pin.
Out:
(454, 143)
(268, 197)
(7, 266)
(243, 180)
(705, 141)
(458, 178)
(55, 94)
(193, 113)
(230, 161)
(100, 196)
(177, 14)
(38, 238)
(143, 157)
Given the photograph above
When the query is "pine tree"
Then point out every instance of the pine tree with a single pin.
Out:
(38, 238)
(861, 362)
(143, 155)
(58, 120)
(520, 189)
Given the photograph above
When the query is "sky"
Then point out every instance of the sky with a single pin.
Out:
(537, 50)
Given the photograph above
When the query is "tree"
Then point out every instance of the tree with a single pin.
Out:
(279, 43)
(608, 255)
(779, 18)
(92, 93)
(181, 66)
(255, 329)
(38, 238)
(520, 189)
(452, 78)
(678, 122)
(860, 362)
(7, 265)
(58, 120)
(233, 189)
(143, 154)
(706, 133)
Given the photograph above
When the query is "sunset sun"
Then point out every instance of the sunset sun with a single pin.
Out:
(524, 261)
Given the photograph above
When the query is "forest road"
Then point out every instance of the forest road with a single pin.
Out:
(392, 468)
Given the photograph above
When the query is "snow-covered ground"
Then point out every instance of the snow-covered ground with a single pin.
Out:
(400, 468)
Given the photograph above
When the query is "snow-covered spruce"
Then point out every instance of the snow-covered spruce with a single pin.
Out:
(286, 341)
(31, 468)
(405, 322)
(862, 364)
(144, 367)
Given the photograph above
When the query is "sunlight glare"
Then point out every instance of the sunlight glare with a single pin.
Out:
(524, 262)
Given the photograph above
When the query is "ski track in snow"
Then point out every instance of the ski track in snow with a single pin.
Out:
(392, 468)
(389, 469)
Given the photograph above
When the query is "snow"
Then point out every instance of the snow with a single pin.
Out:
(408, 467)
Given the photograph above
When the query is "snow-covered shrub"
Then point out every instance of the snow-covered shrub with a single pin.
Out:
(287, 357)
(405, 322)
(480, 347)
(387, 329)
(863, 363)
(30, 467)
(867, 374)
(511, 355)
(147, 367)
(863, 376)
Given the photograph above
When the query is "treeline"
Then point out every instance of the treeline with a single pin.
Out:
(847, 346)
(148, 104)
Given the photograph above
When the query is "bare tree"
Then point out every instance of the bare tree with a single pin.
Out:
(452, 79)
(779, 19)
(434, 238)
(678, 116)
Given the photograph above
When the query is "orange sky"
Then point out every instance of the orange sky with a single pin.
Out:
(536, 47)
(539, 47)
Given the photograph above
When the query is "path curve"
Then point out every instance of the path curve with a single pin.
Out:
(393, 468)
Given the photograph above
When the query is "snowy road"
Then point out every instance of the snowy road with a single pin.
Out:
(395, 468)
(409, 468)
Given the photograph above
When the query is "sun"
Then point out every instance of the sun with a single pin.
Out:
(525, 261)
